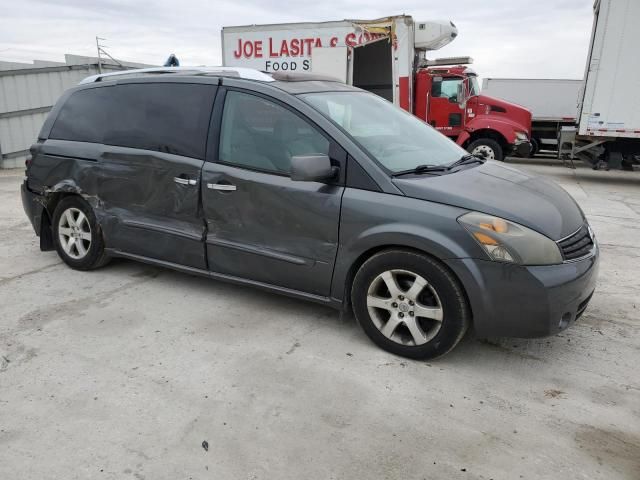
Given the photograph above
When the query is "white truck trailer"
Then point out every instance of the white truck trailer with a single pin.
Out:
(553, 104)
(608, 127)
(376, 55)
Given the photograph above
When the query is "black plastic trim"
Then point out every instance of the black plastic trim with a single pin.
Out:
(332, 302)
(357, 177)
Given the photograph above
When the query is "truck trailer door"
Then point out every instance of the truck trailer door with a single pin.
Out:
(372, 67)
(331, 61)
(368, 66)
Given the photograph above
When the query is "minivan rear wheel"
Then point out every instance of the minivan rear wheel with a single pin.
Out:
(409, 304)
(77, 235)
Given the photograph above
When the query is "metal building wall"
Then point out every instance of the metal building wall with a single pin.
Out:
(28, 92)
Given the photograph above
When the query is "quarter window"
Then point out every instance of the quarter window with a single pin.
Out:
(83, 116)
(257, 133)
(163, 117)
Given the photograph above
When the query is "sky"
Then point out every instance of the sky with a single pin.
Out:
(506, 38)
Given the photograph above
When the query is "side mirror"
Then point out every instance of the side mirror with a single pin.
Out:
(312, 168)
(461, 96)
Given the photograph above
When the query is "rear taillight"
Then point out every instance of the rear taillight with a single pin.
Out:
(33, 150)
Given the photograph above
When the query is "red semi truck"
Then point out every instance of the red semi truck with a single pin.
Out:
(388, 57)
(449, 98)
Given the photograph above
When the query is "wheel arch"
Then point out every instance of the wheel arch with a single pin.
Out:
(488, 133)
(367, 254)
(92, 255)
(51, 201)
(503, 130)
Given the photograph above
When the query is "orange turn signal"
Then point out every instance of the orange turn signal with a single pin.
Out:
(484, 239)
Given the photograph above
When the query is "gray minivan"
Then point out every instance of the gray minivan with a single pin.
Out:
(311, 188)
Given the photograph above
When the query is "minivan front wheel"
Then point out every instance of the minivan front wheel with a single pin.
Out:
(77, 235)
(409, 304)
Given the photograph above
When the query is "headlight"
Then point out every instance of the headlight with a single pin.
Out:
(523, 137)
(505, 241)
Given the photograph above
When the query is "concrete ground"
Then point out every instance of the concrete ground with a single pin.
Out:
(125, 372)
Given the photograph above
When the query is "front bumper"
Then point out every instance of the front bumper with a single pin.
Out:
(526, 302)
(522, 148)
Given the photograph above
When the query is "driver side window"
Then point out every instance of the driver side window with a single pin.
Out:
(259, 134)
(447, 88)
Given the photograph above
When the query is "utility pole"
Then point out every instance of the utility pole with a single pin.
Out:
(99, 58)
(102, 51)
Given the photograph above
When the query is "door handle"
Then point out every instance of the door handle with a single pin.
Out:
(185, 181)
(225, 187)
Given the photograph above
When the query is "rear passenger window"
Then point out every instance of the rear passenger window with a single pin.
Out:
(164, 117)
(83, 116)
(257, 133)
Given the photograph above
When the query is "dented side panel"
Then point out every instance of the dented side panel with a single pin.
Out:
(146, 210)
(271, 228)
(140, 208)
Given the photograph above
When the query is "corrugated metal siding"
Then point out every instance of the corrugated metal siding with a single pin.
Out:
(25, 89)
(18, 133)
(20, 91)
(32, 90)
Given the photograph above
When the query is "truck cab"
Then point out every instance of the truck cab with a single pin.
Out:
(449, 99)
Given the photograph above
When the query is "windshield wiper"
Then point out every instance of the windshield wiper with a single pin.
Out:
(421, 169)
(466, 160)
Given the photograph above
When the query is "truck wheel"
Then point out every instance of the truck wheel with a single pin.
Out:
(627, 163)
(535, 147)
(409, 304)
(486, 147)
(77, 236)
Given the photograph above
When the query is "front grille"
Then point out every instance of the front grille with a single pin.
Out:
(577, 245)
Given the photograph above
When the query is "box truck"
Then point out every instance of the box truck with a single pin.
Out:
(387, 57)
(608, 126)
(552, 102)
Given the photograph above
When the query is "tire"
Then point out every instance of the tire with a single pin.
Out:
(394, 320)
(487, 147)
(74, 220)
(535, 147)
(627, 163)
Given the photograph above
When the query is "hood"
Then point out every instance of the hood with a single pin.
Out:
(506, 192)
(501, 108)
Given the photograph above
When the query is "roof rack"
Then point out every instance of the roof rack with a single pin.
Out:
(238, 72)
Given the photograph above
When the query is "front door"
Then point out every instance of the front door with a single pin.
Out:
(445, 112)
(262, 225)
(149, 185)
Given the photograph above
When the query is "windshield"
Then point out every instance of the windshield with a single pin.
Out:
(393, 137)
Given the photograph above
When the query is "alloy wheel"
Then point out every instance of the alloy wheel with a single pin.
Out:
(74, 233)
(404, 307)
